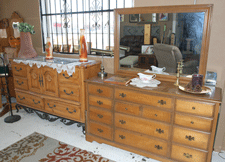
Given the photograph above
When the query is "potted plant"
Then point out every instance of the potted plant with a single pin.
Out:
(26, 47)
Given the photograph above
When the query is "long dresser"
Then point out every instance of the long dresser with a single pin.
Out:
(44, 89)
(162, 123)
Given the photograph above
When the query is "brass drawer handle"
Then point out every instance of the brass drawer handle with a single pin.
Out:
(122, 122)
(99, 90)
(158, 147)
(19, 83)
(67, 77)
(100, 130)
(122, 95)
(159, 130)
(126, 108)
(68, 93)
(99, 102)
(156, 115)
(36, 102)
(50, 106)
(122, 136)
(190, 138)
(193, 108)
(161, 102)
(100, 116)
(187, 155)
(192, 122)
(21, 98)
(74, 111)
(18, 69)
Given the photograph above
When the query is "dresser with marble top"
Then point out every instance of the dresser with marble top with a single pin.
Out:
(163, 123)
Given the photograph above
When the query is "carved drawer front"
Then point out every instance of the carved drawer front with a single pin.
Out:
(127, 108)
(203, 109)
(71, 79)
(21, 83)
(141, 142)
(100, 115)
(100, 90)
(191, 138)
(100, 102)
(63, 109)
(144, 126)
(200, 123)
(19, 70)
(70, 92)
(142, 98)
(100, 130)
(156, 114)
(186, 154)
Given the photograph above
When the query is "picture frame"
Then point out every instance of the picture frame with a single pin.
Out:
(163, 16)
(147, 49)
(134, 18)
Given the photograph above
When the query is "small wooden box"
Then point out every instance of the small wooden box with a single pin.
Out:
(147, 34)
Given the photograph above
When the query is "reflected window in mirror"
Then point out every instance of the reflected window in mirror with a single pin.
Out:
(16, 32)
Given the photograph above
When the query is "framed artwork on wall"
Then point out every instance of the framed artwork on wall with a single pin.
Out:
(147, 49)
(134, 18)
(163, 16)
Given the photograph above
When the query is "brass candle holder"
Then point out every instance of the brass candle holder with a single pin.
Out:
(179, 72)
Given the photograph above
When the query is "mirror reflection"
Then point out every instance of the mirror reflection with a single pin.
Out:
(160, 40)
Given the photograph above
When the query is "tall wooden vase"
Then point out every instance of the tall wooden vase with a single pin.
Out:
(26, 47)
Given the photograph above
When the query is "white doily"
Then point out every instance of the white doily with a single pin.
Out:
(139, 83)
(60, 64)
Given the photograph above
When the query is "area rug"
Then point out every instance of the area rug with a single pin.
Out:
(40, 148)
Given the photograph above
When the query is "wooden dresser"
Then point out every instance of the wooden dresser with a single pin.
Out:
(55, 93)
(162, 123)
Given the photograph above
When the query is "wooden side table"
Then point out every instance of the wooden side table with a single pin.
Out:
(146, 60)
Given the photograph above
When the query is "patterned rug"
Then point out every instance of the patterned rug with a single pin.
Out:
(37, 147)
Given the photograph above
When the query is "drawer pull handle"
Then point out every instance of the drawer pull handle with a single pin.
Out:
(193, 108)
(159, 130)
(190, 138)
(122, 95)
(99, 102)
(70, 111)
(68, 93)
(19, 83)
(100, 130)
(126, 108)
(18, 69)
(192, 122)
(100, 116)
(99, 90)
(50, 106)
(36, 102)
(122, 122)
(122, 136)
(161, 102)
(158, 147)
(21, 98)
(187, 155)
(68, 76)
(156, 115)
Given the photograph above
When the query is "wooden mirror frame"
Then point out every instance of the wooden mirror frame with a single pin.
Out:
(207, 8)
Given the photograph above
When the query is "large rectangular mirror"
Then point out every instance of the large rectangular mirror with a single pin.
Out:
(162, 36)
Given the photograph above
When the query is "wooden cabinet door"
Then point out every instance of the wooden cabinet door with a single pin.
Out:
(34, 79)
(50, 81)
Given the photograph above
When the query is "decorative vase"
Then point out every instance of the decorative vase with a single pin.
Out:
(26, 47)
(83, 47)
(48, 49)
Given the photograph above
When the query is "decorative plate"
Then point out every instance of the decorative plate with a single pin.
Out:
(204, 90)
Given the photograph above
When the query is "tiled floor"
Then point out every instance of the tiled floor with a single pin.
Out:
(29, 123)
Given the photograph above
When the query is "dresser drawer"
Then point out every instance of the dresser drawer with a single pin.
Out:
(141, 142)
(100, 115)
(144, 126)
(19, 70)
(200, 123)
(156, 114)
(70, 92)
(186, 154)
(100, 130)
(191, 138)
(142, 98)
(127, 108)
(63, 109)
(203, 109)
(21, 83)
(100, 102)
(100, 90)
(71, 79)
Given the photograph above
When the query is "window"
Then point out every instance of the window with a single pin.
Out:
(62, 20)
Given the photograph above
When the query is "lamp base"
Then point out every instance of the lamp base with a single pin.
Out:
(102, 74)
(12, 119)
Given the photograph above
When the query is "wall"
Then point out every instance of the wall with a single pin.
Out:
(29, 10)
